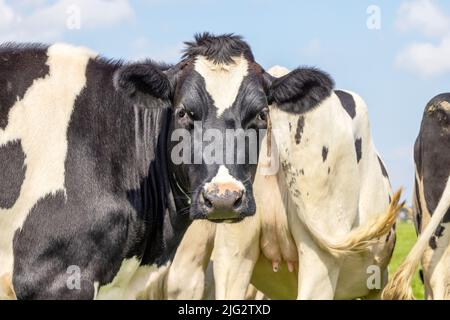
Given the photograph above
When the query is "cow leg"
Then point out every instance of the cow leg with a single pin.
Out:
(318, 274)
(318, 271)
(254, 294)
(236, 250)
(436, 267)
(437, 281)
(186, 278)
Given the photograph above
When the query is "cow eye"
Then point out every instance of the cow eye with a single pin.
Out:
(184, 117)
(183, 113)
(263, 115)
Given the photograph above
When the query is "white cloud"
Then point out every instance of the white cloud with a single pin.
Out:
(423, 16)
(41, 20)
(426, 59)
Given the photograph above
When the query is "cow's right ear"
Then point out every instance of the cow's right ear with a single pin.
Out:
(298, 91)
(143, 80)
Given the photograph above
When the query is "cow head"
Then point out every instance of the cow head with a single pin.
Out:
(220, 97)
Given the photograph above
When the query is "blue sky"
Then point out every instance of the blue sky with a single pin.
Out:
(397, 69)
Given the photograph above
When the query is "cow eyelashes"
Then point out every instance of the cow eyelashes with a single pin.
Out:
(258, 121)
(184, 117)
(263, 115)
(183, 113)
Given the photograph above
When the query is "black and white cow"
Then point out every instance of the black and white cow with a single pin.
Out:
(92, 204)
(431, 207)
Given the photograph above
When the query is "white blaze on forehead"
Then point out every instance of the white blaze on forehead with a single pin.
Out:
(222, 80)
(223, 176)
(40, 121)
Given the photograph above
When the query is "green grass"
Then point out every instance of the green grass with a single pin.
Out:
(406, 237)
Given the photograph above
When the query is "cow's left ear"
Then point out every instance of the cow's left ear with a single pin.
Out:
(300, 90)
(143, 80)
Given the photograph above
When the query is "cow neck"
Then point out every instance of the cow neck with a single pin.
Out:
(164, 201)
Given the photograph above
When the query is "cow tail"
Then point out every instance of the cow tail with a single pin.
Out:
(359, 239)
(398, 287)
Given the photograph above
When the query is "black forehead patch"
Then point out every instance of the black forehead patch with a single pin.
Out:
(219, 49)
(192, 93)
(358, 148)
(250, 98)
(12, 173)
(348, 102)
(383, 168)
(20, 65)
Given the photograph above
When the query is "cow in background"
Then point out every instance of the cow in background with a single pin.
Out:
(431, 208)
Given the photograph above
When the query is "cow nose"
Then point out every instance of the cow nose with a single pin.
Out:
(223, 201)
(226, 200)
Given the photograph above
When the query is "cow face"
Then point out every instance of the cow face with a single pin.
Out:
(224, 107)
(220, 97)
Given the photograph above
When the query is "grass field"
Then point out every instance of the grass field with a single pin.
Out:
(406, 237)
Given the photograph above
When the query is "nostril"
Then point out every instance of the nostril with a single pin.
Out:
(207, 202)
(238, 203)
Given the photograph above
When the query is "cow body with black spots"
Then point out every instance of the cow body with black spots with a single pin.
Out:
(325, 219)
(94, 201)
(431, 201)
